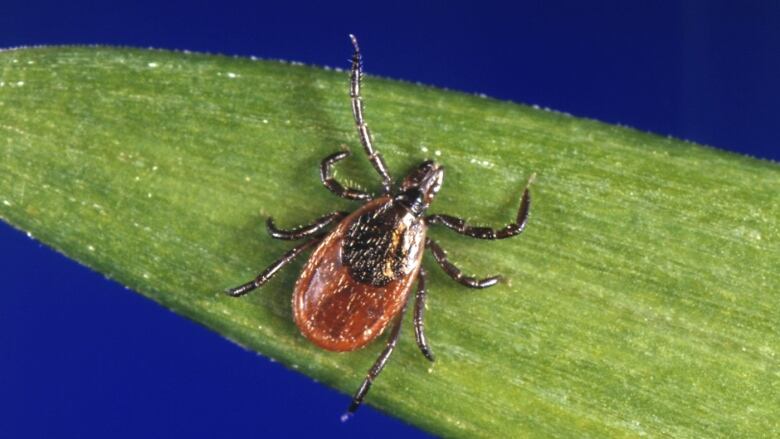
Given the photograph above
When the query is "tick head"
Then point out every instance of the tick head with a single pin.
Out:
(420, 186)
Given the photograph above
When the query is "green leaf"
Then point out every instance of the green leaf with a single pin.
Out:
(642, 298)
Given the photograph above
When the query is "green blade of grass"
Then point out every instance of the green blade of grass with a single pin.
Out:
(642, 298)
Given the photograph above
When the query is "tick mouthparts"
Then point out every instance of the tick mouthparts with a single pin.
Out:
(432, 181)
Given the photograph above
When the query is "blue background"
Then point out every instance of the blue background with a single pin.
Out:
(71, 366)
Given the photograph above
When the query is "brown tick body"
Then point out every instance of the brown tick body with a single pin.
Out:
(358, 279)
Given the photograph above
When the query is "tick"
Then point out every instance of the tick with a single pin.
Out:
(359, 276)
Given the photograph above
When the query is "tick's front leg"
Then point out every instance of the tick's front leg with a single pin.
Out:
(459, 225)
(374, 156)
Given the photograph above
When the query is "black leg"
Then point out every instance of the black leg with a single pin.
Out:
(419, 312)
(515, 228)
(357, 111)
(303, 231)
(441, 257)
(269, 272)
(326, 175)
(376, 369)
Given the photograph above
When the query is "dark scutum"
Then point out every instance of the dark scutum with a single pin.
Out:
(374, 250)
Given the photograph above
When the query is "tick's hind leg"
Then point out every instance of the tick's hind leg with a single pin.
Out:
(303, 231)
(515, 228)
(269, 272)
(419, 312)
(379, 364)
(454, 272)
(330, 182)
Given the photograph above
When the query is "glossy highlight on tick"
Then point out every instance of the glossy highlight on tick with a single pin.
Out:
(357, 281)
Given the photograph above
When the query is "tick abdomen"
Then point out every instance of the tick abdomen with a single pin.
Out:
(359, 276)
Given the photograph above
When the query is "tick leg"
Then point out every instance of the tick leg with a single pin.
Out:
(441, 257)
(357, 111)
(303, 231)
(419, 311)
(326, 175)
(269, 272)
(515, 228)
(379, 364)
